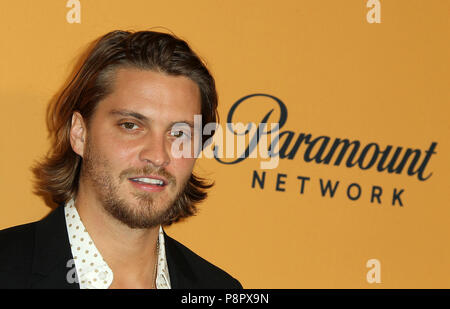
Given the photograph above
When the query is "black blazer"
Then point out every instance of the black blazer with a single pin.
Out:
(35, 255)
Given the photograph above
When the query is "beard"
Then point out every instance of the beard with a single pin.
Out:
(147, 211)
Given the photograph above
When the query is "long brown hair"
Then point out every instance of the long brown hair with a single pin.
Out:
(57, 175)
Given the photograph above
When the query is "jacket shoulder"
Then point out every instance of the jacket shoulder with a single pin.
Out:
(16, 254)
(16, 246)
(208, 275)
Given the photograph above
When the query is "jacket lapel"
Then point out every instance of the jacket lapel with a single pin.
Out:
(180, 272)
(52, 254)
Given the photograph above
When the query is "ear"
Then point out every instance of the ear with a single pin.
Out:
(78, 134)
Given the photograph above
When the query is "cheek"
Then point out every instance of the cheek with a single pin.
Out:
(116, 152)
(182, 167)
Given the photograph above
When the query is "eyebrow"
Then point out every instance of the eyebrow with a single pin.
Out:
(128, 113)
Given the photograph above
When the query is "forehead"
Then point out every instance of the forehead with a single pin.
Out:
(156, 95)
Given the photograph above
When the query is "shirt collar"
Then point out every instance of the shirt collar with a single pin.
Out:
(92, 270)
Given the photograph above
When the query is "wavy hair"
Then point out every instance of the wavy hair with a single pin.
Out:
(57, 174)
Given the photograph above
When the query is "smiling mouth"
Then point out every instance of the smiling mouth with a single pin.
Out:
(148, 181)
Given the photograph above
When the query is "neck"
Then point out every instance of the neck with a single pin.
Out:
(130, 253)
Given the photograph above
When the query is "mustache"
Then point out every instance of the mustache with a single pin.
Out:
(147, 170)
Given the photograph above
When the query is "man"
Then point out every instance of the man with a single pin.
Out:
(113, 173)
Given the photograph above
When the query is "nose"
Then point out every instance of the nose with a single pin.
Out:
(155, 150)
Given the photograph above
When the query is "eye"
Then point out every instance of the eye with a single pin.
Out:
(180, 130)
(177, 134)
(129, 125)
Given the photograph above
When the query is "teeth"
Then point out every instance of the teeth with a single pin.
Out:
(151, 181)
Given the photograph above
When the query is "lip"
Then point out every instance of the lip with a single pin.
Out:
(164, 180)
(149, 187)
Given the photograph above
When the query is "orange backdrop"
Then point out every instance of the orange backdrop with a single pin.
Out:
(343, 70)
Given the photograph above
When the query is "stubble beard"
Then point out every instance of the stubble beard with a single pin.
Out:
(144, 214)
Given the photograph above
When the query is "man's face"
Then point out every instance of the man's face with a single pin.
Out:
(127, 159)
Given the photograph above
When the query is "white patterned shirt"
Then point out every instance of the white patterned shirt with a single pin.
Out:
(92, 270)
